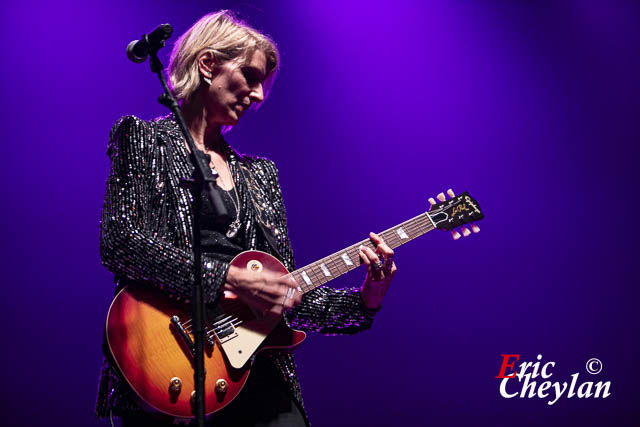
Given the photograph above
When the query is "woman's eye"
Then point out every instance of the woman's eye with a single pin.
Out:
(251, 76)
(248, 75)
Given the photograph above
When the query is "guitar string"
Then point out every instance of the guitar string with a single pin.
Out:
(233, 309)
(413, 225)
(390, 235)
(212, 332)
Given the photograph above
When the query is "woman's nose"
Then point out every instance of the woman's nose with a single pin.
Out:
(257, 94)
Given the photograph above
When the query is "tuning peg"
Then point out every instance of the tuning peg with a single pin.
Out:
(451, 193)
(455, 235)
(465, 231)
(475, 228)
(441, 197)
(432, 200)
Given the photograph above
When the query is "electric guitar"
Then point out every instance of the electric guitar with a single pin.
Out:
(149, 334)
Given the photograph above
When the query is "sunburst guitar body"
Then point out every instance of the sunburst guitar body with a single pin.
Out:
(149, 337)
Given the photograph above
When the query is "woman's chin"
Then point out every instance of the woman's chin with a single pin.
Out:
(231, 120)
(234, 118)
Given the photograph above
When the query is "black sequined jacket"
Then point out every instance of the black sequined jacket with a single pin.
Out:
(146, 236)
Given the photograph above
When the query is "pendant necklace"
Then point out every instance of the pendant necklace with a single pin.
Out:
(235, 224)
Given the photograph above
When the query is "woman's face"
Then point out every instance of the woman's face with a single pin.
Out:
(234, 87)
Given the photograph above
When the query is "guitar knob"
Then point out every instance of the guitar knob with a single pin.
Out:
(175, 384)
(221, 386)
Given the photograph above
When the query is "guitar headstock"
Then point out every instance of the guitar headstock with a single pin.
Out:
(455, 212)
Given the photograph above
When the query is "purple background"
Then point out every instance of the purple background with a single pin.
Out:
(532, 107)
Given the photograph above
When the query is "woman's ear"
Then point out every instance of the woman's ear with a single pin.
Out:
(207, 65)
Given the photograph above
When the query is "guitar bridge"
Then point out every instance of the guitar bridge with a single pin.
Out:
(175, 321)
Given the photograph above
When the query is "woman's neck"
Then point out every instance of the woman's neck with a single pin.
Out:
(205, 135)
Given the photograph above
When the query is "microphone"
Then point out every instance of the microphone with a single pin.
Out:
(138, 50)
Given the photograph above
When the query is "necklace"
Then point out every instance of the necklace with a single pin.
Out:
(235, 224)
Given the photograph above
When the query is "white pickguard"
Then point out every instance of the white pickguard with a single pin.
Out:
(250, 336)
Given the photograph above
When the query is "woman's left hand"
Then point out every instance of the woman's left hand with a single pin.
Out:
(380, 272)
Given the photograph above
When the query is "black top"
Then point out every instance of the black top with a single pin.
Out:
(214, 240)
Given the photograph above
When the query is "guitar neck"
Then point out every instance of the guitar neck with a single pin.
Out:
(326, 269)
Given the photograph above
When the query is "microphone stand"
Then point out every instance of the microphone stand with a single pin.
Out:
(203, 179)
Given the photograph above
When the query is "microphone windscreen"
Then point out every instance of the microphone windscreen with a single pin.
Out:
(137, 45)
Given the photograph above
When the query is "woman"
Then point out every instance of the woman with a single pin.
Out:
(219, 69)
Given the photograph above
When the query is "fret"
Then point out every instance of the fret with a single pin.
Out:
(305, 277)
(347, 259)
(353, 252)
(296, 276)
(325, 270)
(336, 266)
(317, 278)
(387, 237)
(401, 233)
(302, 283)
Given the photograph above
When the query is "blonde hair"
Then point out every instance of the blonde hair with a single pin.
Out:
(229, 39)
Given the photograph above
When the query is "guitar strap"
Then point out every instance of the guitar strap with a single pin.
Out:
(271, 240)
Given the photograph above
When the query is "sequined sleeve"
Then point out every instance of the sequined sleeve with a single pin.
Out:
(128, 245)
(325, 310)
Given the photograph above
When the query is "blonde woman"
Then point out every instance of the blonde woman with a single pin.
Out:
(219, 69)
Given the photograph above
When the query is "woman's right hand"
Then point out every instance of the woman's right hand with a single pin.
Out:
(266, 293)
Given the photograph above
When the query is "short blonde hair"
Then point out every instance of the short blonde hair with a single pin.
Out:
(229, 39)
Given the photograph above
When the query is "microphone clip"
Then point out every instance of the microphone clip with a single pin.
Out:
(139, 50)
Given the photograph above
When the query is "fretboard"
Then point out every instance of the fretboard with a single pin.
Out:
(326, 269)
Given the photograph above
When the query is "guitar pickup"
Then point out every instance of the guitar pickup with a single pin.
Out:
(224, 328)
(226, 331)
